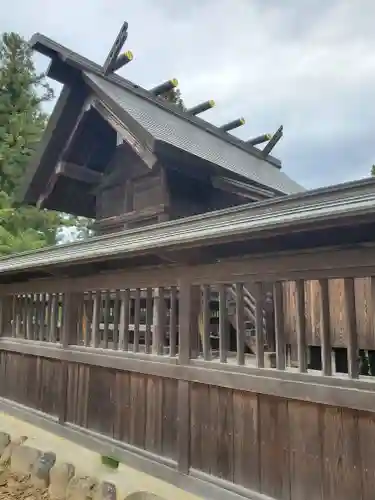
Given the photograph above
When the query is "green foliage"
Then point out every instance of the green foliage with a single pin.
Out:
(22, 121)
(373, 170)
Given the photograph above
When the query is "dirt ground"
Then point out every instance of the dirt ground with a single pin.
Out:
(15, 487)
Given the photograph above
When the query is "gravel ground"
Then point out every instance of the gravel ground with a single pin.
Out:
(14, 487)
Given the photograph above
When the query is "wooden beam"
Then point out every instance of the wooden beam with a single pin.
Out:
(78, 173)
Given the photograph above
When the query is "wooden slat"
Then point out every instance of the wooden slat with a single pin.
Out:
(325, 328)
(173, 322)
(124, 320)
(14, 313)
(279, 325)
(183, 425)
(206, 315)
(185, 321)
(223, 325)
(137, 318)
(41, 316)
(95, 332)
(106, 312)
(301, 326)
(52, 335)
(240, 324)
(350, 323)
(116, 319)
(149, 313)
(259, 337)
(87, 309)
(159, 327)
(29, 318)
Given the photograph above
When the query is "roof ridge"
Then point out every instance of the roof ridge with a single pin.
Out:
(45, 45)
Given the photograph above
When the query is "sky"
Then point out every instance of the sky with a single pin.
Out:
(309, 65)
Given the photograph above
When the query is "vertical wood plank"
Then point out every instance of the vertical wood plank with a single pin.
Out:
(305, 450)
(350, 323)
(325, 328)
(246, 440)
(159, 326)
(88, 313)
(183, 426)
(41, 315)
(137, 318)
(173, 322)
(14, 314)
(169, 432)
(366, 431)
(106, 312)
(71, 305)
(53, 317)
(342, 469)
(116, 319)
(225, 434)
(48, 316)
(149, 316)
(279, 325)
(5, 315)
(274, 447)
(95, 331)
(259, 337)
(185, 322)
(223, 325)
(138, 406)
(240, 323)
(124, 320)
(206, 315)
(301, 326)
(29, 318)
(154, 415)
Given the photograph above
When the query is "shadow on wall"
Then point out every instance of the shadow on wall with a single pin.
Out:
(143, 495)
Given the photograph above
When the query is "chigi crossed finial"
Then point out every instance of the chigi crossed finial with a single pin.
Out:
(115, 60)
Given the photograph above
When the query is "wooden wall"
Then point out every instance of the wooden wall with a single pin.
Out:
(363, 312)
(286, 449)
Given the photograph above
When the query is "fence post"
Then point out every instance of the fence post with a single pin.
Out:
(69, 335)
(5, 314)
(186, 332)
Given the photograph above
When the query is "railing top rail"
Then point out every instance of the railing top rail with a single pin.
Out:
(319, 207)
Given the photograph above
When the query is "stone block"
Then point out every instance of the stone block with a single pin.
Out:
(4, 441)
(7, 453)
(59, 478)
(40, 471)
(23, 458)
(270, 360)
(81, 488)
(105, 491)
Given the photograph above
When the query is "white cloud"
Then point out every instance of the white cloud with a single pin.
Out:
(308, 65)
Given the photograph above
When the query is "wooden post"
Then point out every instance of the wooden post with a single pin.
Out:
(71, 306)
(186, 307)
(325, 337)
(351, 328)
(5, 315)
(301, 326)
(279, 325)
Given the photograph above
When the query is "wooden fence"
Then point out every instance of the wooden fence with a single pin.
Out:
(202, 415)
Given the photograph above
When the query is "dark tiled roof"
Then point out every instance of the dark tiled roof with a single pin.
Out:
(171, 129)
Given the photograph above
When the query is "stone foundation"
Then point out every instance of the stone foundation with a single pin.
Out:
(30, 474)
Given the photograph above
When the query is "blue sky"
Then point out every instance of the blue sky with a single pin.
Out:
(309, 65)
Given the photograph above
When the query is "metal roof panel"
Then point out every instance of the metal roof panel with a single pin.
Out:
(171, 129)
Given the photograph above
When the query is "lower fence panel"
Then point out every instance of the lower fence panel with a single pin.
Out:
(133, 408)
(286, 449)
(31, 381)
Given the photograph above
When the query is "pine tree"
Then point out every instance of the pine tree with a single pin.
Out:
(22, 121)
